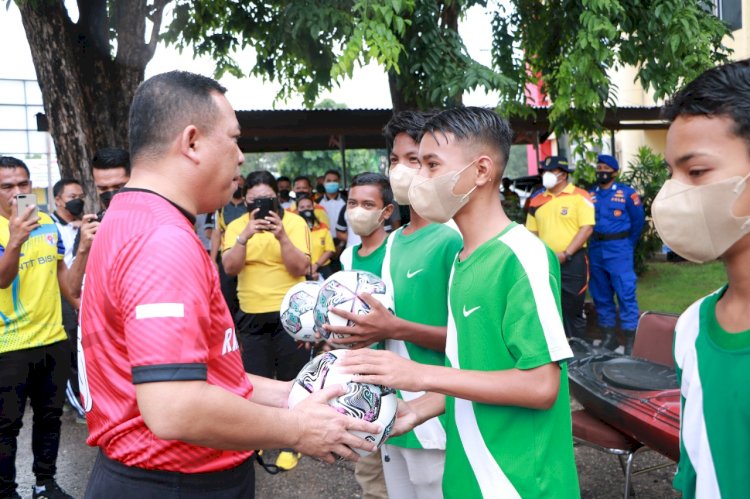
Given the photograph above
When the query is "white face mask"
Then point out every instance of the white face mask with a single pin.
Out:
(433, 198)
(401, 177)
(549, 180)
(696, 222)
(364, 222)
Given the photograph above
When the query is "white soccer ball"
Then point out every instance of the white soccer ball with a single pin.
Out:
(297, 311)
(373, 403)
(340, 290)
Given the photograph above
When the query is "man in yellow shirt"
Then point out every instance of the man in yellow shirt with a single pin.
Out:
(34, 354)
(563, 217)
(321, 242)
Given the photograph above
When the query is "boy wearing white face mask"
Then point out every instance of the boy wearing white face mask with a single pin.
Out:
(563, 217)
(417, 265)
(504, 386)
(703, 213)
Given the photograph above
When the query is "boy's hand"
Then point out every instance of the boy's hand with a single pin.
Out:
(381, 367)
(375, 326)
(406, 419)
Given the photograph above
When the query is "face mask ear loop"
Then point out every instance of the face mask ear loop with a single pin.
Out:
(455, 181)
(741, 184)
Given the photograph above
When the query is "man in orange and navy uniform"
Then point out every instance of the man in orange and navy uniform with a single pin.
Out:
(619, 222)
(563, 217)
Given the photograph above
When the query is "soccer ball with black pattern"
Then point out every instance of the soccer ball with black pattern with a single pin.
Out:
(341, 291)
(373, 403)
(297, 311)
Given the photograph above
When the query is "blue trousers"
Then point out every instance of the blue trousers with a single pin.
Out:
(610, 277)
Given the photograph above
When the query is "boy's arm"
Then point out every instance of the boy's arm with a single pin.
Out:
(535, 388)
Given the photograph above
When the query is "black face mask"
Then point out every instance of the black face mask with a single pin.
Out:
(300, 194)
(284, 194)
(75, 207)
(106, 197)
(309, 216)
(603, 178)
(238, 193)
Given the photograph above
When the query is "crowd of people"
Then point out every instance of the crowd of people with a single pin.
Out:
(177, 280)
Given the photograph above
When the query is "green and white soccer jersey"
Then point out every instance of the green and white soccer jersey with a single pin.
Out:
(713, 367)
(504, 313)
(417, 268)
(351, 260)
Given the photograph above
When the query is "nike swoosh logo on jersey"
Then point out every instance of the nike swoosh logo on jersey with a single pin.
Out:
(410, 274)
(470, 311)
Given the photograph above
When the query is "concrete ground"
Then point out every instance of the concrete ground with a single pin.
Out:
(599, 474)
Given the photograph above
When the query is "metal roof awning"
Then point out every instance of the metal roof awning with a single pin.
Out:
(324, 129)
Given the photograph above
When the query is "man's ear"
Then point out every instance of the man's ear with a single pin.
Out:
(189, 142)
(486, 170)
(387, 212)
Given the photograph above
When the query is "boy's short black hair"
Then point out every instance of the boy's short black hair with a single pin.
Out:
(332, 172)
(108, 158)
(377, 179)
(408, 122)
(720, 91)
(474, 124)
(260, 177)
(283, 178)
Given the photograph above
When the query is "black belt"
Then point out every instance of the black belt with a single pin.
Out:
(598, 236)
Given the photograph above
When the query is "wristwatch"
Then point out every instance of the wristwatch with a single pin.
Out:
(240, 241)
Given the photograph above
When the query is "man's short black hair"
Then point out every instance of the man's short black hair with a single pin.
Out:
(59, 186)
(332, 172)
(377, 179)
(408, 122)
(165, 104)
(108, 158)
(283, 178)
(260, 177)
(10, 162)
(474, 124)
(720, 91)
(302, 177)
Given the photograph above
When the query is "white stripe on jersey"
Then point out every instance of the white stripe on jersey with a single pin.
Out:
(532, 254)
(159, 310)
(346, 258)
(693, 424)
(431, 434)
(492, 481)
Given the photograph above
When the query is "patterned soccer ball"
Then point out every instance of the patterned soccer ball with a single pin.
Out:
(297, 311)
(340, 290)
(373, 403)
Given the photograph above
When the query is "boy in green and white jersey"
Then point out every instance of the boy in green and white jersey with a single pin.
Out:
(703, 213)
(504, 388)
(416, 269)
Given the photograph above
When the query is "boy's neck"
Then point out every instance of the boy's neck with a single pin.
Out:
(732, 311)
(372, 242)
(415, 222)
(481, 220)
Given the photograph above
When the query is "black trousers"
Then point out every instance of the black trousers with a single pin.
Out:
(38, 374)
(70, 324)
(113, 480)
(574, 277)
(228, 289)
(267, 350)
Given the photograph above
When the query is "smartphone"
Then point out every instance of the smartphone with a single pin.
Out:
(23, 201)
(265, 206)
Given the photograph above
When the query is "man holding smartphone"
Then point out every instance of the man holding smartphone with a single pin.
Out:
(34, 355)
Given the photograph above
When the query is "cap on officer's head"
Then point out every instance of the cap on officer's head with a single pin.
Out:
(554, 163)
(608, 160)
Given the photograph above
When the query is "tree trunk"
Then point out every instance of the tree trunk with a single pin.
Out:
(86, 92)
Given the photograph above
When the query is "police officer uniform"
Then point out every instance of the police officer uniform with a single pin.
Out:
(619, 222)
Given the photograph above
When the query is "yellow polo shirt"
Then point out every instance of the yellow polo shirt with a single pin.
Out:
(264, 280)
(558, 218)
(321, 241)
